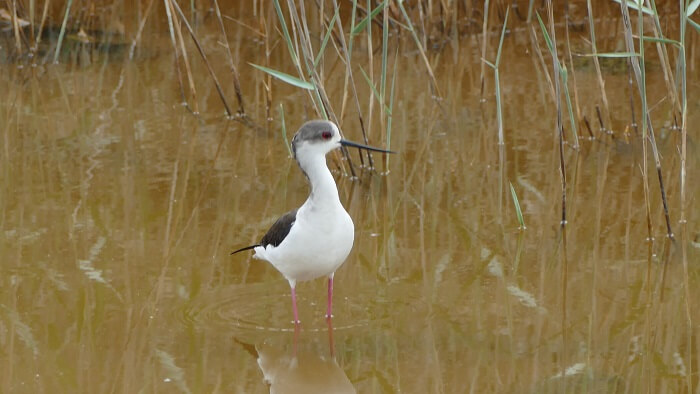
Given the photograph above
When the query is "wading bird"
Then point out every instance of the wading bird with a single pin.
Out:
(315, 239)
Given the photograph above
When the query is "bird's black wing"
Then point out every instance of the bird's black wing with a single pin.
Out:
(277, 233)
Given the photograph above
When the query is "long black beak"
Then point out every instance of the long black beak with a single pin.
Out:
(362, 146)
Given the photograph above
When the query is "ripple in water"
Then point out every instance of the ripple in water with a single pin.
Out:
(267, 308)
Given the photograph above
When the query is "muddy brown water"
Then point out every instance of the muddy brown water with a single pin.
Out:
(119, 207)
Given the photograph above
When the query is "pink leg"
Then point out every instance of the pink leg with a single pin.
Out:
(296, 338)
(329, 311)
(331, 344)
(294, 307)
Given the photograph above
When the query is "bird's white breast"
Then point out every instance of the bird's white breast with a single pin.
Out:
(317, 244)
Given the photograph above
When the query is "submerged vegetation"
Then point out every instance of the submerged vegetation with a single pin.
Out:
(441, 82)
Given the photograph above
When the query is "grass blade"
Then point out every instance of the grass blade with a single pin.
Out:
(499, 108)
(635, 6)
(374, 91)
(391, 107)
(361, 25)
(325, 40)
(421, 50)
(285, 31)
(283, 129)
(503, 34)
(662, 40)
(694, 24)
(292, 80)
(565, 83)
(610, 54)
(516, 203)
(547, 40)
(493, 66)
(385, 49)
(63, 31)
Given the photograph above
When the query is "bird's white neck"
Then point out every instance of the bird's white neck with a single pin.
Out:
(323, 188)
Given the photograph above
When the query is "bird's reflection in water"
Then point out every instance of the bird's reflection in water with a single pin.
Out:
(301, 369)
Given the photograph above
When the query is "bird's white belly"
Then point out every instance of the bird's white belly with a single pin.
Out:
(313, 248)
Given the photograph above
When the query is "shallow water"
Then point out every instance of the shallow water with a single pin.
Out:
(119, 207)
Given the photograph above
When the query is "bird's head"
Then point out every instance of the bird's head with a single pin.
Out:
(321, 137)
(316, 137)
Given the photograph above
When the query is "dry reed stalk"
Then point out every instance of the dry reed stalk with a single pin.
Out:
(596, 62)
(562, 172)
(484, 42)
(421, 50)
(664, 58)
(603, 130)
(640, 81)
(32, 14)
(346, 61)
(576, 121)
(321, 98)
(176, 37)
(639, 74)
(204, 58)
(588, 127)
(15, 27)
(346, 50)
(344, 54)
(137, 38)
(390, 116)
(683, 222)
(370, 73)
(302, 40)
(552, 45)
(291, 40)
(267, 85)
(536, 48)
(382, 83)
(232, 65)
(44, 14)
(247, 26)
(630, 85)
(421, 18)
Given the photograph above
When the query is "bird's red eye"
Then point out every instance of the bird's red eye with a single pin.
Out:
(326, 135)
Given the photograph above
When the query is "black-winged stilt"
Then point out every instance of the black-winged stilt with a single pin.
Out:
(315, 239)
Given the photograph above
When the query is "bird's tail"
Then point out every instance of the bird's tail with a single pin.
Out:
(246, 248)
